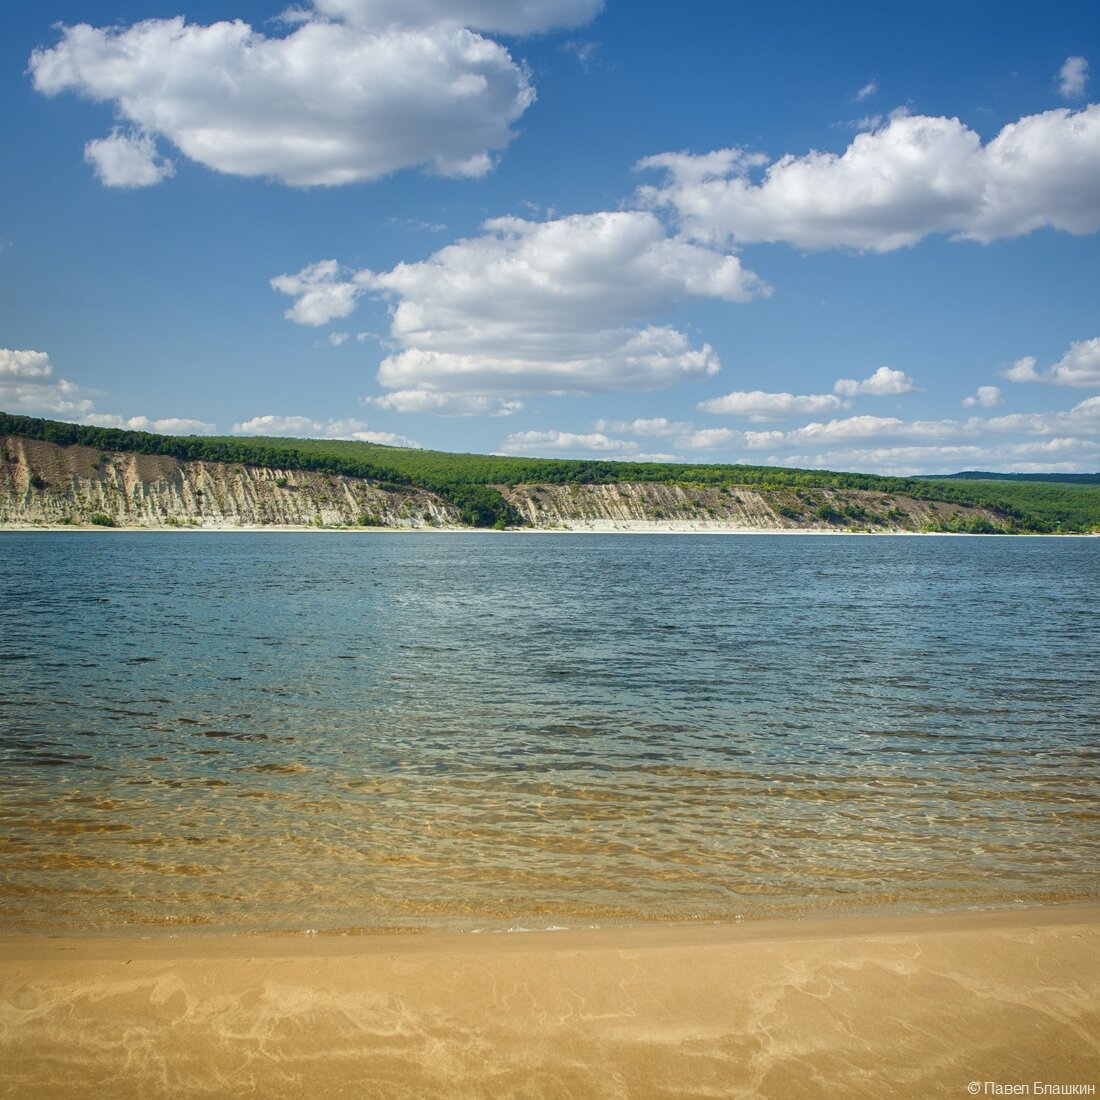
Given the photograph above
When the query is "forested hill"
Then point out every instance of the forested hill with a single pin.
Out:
(1043, 479)
(477, 487)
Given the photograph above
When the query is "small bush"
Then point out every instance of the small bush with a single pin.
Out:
(37, 482)
(281, 482)
(788, 511)
(101, 519)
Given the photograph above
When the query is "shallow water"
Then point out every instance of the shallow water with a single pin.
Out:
(325, 731)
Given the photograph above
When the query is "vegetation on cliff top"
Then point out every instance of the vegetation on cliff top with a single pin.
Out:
(468, 481)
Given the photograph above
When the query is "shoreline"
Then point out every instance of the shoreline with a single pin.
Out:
(640, 528)
(914, 1005)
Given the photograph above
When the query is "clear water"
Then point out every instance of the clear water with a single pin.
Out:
(272, 731)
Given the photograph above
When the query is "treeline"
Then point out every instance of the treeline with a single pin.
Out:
(467, 480)
(986, 475)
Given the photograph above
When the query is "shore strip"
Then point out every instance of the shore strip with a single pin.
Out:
(913, 1006)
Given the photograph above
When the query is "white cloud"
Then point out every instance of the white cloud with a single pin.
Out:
(24, 365)
(572, 442)
(1057, 455)
(986, 397)
(334, 101)
(502, 16)
(876, 427)
(758, 405)
(172, 425)
(657, 426)
(1072, 77)
(1023, 370)
(338, 339)
(444, 404)
(869, 89)
(915, 176)
(885, 382)
(1083, 419)
(127, 159)
(554, 306)
(303, 427)
(1080, 366)
(319, 292)
(28, 385)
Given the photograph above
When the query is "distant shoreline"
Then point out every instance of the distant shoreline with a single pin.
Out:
(642, 529)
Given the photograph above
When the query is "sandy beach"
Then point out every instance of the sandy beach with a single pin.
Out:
(913, 1006)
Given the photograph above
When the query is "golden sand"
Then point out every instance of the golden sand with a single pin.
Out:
(917, 1006)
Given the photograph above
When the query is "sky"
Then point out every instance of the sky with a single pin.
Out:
(811, 234)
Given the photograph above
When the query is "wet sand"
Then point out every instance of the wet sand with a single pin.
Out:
(914, 1006)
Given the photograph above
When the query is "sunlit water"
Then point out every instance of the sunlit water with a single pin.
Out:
(326, 731)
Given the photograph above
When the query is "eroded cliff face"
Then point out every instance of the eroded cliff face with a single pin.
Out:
(42, 484)
(640, 505)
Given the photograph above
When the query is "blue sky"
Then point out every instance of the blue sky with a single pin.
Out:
(812, 235)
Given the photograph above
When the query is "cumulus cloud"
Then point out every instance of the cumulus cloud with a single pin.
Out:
(554, 306)
(127, 159)
(885, 382)
(1072, 77)
(891, 187)
(356, 90)
(986, 398)
(169, 425)
(1080, 366)
(1055, 455)
(502, 16)
(573, 442)
(303, 427)
(28, 385)
(320, 294)
(659, 426)
(606, 439)
(1082, 419)
(1022, 370)
(444, 404)
(26, 365)
(869, 89)
(875, 427)
(759, 406)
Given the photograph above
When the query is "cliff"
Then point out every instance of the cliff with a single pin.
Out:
(43, 484)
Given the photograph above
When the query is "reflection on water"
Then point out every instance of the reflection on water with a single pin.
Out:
(346, 731)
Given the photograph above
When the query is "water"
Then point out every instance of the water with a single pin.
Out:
(326, 731)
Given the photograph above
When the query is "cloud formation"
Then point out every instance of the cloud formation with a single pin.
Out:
(444, 404)
(558, 306)
(501, 16)
(758, 405)
(1072, 77)
(986, 397)
(127, 159)
(1064, 440)
(891, 187)
(28, 385)
(1080, 366)
(885, 382)
(303, 427)
(332, 102)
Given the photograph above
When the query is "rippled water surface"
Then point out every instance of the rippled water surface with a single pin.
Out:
(330, 731)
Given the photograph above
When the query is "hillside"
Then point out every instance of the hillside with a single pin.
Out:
(57, 473)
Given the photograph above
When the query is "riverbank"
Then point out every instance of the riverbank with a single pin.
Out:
(910, 1006)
